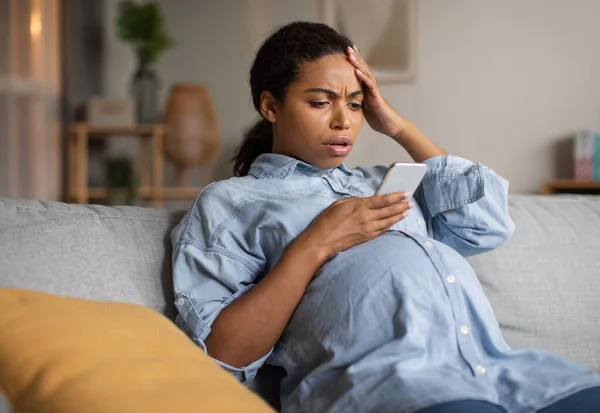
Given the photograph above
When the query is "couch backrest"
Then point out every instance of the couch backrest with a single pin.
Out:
(544, 283)
(88, 251)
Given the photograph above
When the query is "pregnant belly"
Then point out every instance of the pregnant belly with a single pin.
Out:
(385, 271)
(366, 296)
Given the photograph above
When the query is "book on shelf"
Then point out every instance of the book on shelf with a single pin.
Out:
(586, 154)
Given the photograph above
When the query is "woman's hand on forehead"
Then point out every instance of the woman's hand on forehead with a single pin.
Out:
(380, 115)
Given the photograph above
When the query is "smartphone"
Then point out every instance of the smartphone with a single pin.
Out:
(402, 177)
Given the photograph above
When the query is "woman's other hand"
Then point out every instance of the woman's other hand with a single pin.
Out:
(380, 115)
(352, 221)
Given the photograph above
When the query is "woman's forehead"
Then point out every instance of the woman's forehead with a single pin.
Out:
(333, 72)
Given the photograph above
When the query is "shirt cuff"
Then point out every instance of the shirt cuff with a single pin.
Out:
(197, 330)
(451, 182)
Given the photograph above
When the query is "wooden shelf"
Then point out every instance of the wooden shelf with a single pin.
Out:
(107, 131)
(146, 192)
(570, 186)
(151, 161)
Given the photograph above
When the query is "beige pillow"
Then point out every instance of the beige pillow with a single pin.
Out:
(60, 354)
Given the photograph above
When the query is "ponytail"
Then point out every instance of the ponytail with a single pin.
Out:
(258, 140)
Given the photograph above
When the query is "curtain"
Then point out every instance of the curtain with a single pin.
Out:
(30, 143)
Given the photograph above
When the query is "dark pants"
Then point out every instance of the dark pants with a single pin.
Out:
(585, 401)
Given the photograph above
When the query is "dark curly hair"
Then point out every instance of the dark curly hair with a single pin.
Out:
(277, 64)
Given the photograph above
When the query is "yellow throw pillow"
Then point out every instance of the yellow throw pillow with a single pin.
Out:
(67, 355)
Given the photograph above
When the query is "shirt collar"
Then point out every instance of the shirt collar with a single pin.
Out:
(277, 166)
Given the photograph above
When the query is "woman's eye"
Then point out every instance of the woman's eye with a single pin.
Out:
(355, 106)
(318, 104)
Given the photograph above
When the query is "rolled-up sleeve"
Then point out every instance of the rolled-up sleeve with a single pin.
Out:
(206, 280)
(465, 205)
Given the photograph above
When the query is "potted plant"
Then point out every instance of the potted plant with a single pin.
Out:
(121, 182)
(142, 26)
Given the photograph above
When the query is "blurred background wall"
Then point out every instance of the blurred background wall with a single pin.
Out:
(501, 82)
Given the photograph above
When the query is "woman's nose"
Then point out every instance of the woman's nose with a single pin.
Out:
(340, 119)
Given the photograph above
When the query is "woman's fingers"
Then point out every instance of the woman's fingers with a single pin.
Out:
(363, 72)
(392, 210)
(384, 225)
(366, 79)
(361, 67)
(380, 201)
(356, 61)
(359, 62)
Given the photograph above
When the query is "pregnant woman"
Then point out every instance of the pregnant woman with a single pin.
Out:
(366, 301)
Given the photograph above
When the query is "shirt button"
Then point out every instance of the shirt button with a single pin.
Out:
(181, 301)
(451, 278)
(428, 244)
(480, 369)
(323, 175)
(464, 329)
(420, 221)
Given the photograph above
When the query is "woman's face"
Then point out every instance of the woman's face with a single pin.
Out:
(321, 115)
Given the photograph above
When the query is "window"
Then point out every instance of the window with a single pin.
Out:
(30, 145)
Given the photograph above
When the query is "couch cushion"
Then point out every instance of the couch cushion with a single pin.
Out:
(544, 283)
(88, 251)
(63, 355)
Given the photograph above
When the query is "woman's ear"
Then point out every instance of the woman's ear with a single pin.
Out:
(268, 106)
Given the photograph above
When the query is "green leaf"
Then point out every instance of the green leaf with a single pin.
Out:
(142, 25)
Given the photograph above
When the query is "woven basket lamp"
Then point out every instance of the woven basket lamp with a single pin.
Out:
(192, 131)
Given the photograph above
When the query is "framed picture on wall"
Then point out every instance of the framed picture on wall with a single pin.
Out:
(384, 30)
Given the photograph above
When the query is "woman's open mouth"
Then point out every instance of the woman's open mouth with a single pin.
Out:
(338, 147)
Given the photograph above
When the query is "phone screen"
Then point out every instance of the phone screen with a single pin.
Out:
(402, 177)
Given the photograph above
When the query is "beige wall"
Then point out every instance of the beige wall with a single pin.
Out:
(499, 81)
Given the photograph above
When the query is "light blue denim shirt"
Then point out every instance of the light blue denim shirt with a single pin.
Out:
(396, 324)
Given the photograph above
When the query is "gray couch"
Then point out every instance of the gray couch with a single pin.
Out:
(544, 284)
